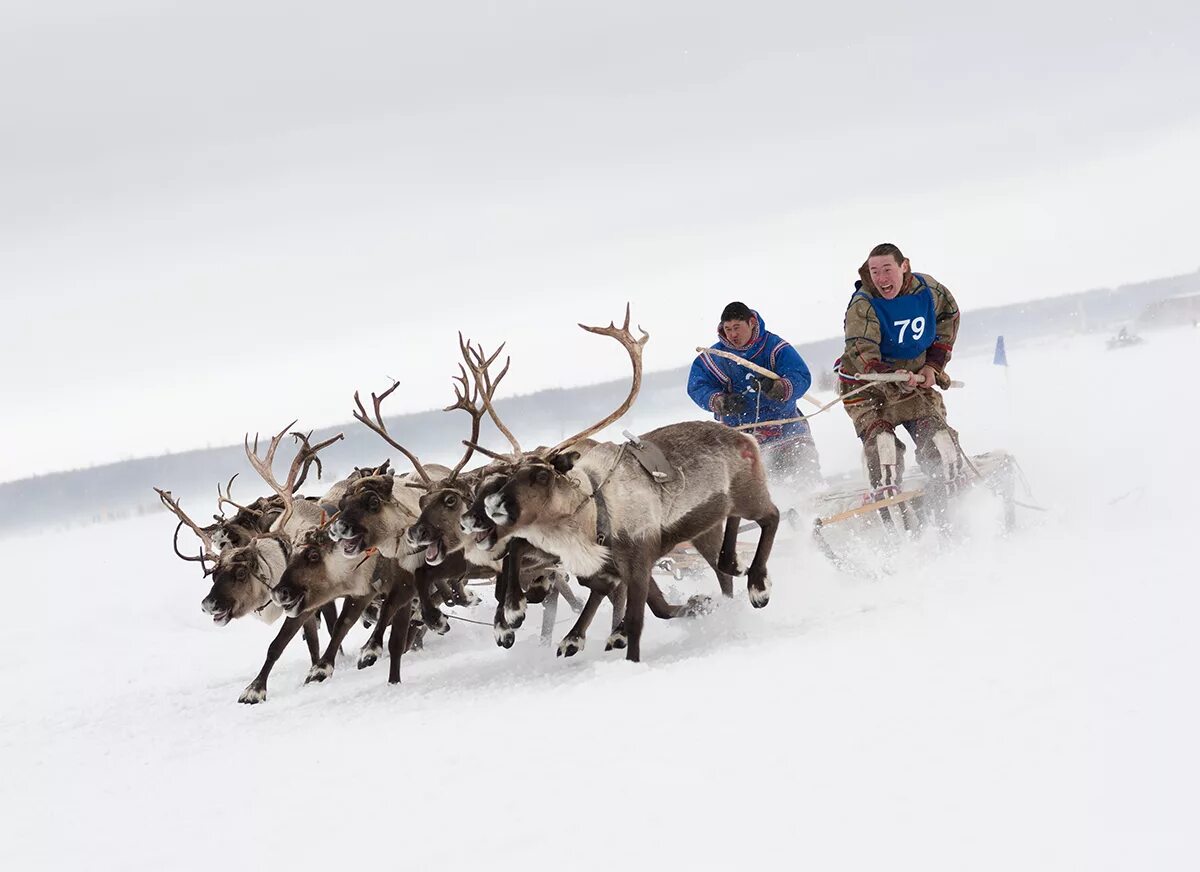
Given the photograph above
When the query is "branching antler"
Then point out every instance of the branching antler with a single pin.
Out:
(381, 429)
(264, 466)
(468, 398)
(634, 347)
(485, 387)
(310, 459)
(227, 498)
(207, 552)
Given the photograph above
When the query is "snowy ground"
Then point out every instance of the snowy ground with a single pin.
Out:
(1023, 703)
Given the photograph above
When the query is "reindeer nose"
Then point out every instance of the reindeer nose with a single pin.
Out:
(209, 605)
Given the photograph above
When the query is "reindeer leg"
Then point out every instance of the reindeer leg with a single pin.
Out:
(759, 583)
(310, 638)
(660, 608)
(619, 595)
(636, 564)
(329, 615)
(370, 653)
(351, 612)
(256, 690)
(501, 629)
(514, 594)
(398, 642)
(401, 621)
(710, 545)
(573, 642)
(463, 595)
(431, 615)
(727, 561)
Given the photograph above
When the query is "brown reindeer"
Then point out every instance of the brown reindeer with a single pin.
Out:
(242, 575)
(605, 515)
(302, 533)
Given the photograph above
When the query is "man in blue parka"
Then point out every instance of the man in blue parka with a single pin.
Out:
(737, 396)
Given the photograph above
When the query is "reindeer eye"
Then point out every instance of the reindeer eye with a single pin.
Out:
(312, 555)
(240, 573)
(451, 500)
(541, 476)
(374, 503)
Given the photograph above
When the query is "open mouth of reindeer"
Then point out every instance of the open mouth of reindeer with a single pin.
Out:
(291, 607)
(223, 617)
(352, 545)
(435, 551)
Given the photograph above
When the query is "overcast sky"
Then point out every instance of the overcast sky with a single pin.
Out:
(219, 216)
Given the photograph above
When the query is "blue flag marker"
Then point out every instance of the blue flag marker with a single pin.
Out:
(1001, 358)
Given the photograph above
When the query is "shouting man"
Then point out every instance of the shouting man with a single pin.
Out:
(739, 396)
(902, 322)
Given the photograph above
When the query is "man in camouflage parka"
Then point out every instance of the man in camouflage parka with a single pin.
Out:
(903, 322)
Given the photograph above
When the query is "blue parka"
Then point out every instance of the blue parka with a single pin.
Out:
(712, 376)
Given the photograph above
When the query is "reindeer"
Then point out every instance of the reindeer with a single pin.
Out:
(313, 576)
(605, 516)
(534, 575)
(251, 559)
(375, 512)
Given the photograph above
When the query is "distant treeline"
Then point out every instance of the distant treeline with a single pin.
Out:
(121, 490)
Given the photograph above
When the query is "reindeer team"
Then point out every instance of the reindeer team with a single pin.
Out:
(400, 547)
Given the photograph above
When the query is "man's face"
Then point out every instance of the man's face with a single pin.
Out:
(738, 332)
(887, 275)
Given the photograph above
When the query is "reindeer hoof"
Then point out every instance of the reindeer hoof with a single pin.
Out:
(437, 622)
(617, 640)
(319, 672)
(369, 656)
(698, 605)
(515, 617)
(760, 592)
(570, 646)
(470, 598)
(505, 637)
(730, 568)
(253, 695)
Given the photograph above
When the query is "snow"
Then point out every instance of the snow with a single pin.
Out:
(999, 704)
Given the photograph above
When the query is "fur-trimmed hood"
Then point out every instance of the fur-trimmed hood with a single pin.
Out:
(751, 348)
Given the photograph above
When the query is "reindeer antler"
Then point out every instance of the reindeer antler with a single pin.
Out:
(634, 347)
(467, 398)
(485, 386)
(310, 458)
(207, 552)
(381, 429)
(264, 466)
(227, 497)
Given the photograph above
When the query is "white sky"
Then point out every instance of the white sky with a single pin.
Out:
(216, 217)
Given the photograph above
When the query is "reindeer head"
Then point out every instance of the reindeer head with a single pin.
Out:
(529, 492)
(438, 529)
(370, 516)
(243, 579)
(535, 486)
(318, 572)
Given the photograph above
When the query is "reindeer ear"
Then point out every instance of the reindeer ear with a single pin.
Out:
(564, 463)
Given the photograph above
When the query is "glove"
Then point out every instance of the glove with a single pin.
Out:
(776, 389)
(730, 404)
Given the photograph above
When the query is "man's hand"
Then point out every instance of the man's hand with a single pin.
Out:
(776, 389)
(917, 379)
(928, 375)
(729, 404)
